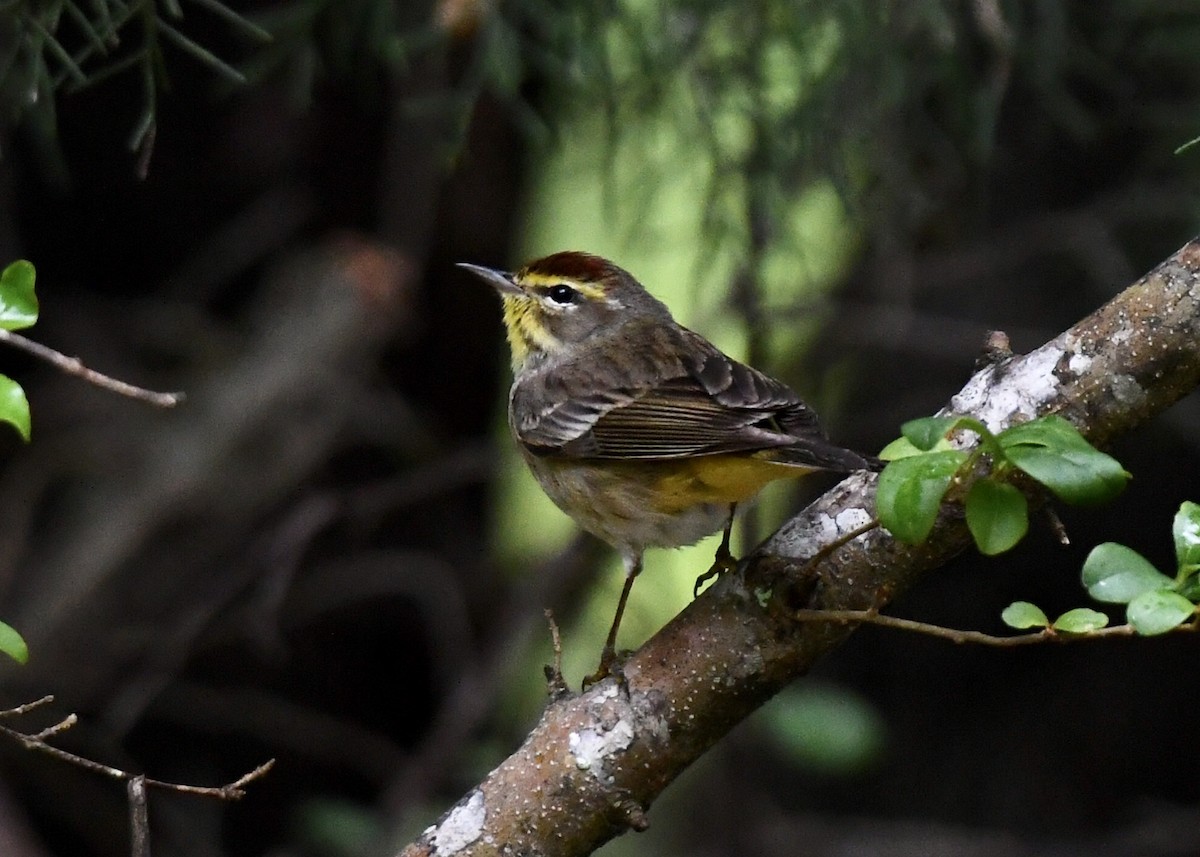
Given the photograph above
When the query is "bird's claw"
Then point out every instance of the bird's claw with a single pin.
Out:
(610, 666)
(723, 563)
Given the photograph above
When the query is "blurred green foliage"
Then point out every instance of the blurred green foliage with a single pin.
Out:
(823, 728)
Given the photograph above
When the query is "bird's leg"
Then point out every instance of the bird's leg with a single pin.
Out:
(723, 562)
(724, 558)
(608, 655)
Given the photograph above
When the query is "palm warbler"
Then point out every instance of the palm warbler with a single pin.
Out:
(639, 429)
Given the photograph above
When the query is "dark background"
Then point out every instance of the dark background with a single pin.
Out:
(297, 564)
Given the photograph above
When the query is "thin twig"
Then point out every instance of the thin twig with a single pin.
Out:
(135, 784)
(26, 707)
(1056, 526)
(556, 685)
(74, 366)
(57, 729)
(954, 635)
(229, 791)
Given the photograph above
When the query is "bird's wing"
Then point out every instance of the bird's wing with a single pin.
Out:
(705, 403)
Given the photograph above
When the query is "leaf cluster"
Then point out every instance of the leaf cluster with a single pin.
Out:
(1155, 603)
(924, 463)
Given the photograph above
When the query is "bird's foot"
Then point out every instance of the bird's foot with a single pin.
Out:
(611, 665)
(723, 563)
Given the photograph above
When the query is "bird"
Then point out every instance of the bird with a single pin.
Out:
(642, 431)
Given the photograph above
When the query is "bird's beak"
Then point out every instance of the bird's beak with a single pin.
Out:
(501, 281)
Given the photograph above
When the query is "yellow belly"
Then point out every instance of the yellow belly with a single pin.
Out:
(639, 504)
(717, 479)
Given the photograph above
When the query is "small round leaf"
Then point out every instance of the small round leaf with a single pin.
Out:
(1158, 611)
(927, 432)
(997, 516)
(18, 303)
(1076, 476)
(1116, 574)
(1050, 431)
(1080, 621)
(910, 493)
(1022, 614)
(14, 407)
(899, 448)
(13, 644)
(1052, 451)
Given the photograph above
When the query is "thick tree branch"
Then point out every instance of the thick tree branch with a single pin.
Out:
(592, 766)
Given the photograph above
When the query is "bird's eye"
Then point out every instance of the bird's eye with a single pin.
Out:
(561, 294)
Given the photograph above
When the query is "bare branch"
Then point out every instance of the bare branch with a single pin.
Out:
(74, 366)
(57, 729)
(955, 635)
(26, 707)
(37, 742)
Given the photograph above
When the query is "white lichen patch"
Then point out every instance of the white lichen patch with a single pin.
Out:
(1025, 384)
(851, 519)
(1078, 364)
(824, 527)
(804, 537)
(592, 747)
(462, 826)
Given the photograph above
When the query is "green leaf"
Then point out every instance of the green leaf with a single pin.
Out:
(1053, 452)
(1186, 532)
(911, 490)
(899, 448)
(1158, 611)
(18, 303)
(13, 644)
(1080, 621)
(14, 407)
(1022, 614)
(927, 432)
(1075, 476)
(1116, 574)
(997, 516)
(1050, 430)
